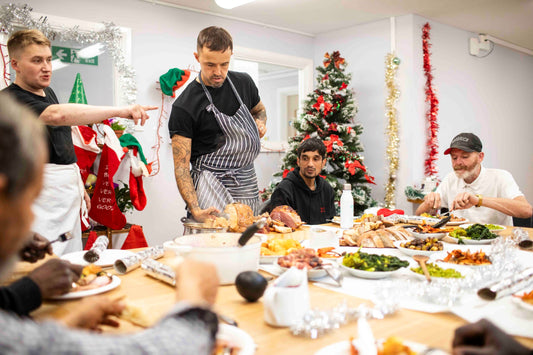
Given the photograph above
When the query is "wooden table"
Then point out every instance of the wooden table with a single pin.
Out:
(156, 298)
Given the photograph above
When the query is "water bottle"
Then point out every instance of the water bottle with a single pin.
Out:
(347, 207)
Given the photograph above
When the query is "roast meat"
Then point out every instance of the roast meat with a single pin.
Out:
(286, 215)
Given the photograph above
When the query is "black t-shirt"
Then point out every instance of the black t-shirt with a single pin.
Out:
(189, 117)
(60, 146)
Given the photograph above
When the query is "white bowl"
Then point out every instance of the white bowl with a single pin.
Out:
(412, 252)
(369, 274)
(222, 250)
(419, 235)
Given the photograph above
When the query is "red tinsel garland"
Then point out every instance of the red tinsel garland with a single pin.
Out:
(432, 142)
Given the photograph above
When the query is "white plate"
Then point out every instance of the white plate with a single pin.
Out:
(337, 220)
(469, 241)
(268, 259)
(412, 252)
(115, 282)
(343, 348)
(457, 223)
(237, 337)
(369, 274)
(522, 304)
(107, 257)
(418, 235)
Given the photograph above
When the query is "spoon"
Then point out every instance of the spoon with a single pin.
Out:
(421, 259)
(526, 244)
(250, 231)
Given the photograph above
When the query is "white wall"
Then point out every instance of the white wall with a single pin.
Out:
(165, 38)
(488, 96)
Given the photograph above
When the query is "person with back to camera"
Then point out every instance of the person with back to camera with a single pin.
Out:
(58, 207)
(216, 125)
(303, 189)
(188, 328)
(474, 192)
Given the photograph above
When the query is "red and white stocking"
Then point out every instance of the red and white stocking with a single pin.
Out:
(104, 207)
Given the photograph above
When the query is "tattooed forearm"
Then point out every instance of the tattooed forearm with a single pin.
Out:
(259, 112)
(181, 151)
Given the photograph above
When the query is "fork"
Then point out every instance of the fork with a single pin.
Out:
(62, 238)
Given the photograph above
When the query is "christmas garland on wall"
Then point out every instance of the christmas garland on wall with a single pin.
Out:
(391, 67)
(430, 163)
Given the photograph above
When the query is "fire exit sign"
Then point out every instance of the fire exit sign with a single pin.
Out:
(70, 55)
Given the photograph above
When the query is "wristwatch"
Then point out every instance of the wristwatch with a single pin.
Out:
(480, 200)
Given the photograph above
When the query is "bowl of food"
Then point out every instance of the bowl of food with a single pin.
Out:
(473, 234)
(222, 250)
(371, 266)
(426, 246)
(494, 228)
(212, 225)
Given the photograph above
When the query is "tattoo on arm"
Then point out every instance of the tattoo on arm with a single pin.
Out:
(259, 112)
(181, 151)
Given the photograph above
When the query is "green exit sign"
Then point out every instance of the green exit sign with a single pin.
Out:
(70, 55)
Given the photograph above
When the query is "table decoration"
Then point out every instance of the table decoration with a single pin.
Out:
(159, 271)
(127, 264)
(316, 322)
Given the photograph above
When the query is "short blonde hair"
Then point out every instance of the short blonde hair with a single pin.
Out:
(23, 38)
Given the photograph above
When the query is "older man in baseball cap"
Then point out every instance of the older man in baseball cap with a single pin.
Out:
(474, 192)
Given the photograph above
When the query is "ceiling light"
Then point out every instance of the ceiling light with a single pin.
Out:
(230, 4)
(91, 51)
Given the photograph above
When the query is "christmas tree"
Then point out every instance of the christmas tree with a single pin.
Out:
(329, 113)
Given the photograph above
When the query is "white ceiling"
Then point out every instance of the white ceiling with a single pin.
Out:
(509, 20)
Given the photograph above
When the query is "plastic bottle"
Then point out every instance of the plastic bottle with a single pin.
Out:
(347, 207)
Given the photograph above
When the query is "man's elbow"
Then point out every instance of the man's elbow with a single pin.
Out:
(53, 116)
(526, 212)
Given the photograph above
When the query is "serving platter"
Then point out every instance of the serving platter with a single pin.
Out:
(469, 241)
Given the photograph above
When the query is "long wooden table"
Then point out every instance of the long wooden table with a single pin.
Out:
(156, 298)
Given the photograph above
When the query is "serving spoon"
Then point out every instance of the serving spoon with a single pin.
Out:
(421, 259)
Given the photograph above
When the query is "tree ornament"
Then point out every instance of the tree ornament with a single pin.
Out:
(396, 61)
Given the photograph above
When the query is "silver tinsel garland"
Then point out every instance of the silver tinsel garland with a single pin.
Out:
(445, 292)
(12, 16)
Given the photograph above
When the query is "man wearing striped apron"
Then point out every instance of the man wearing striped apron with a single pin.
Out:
(216, 125)
(63, 197)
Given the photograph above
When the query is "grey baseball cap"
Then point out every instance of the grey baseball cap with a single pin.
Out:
(467, 142)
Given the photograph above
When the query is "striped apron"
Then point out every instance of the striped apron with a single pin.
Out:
(227, 175)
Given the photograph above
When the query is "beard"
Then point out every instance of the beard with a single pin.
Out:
(467, 173)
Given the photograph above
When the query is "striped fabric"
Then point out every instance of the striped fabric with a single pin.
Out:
(228, 175)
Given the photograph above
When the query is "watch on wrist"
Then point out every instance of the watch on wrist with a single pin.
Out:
(480, 200)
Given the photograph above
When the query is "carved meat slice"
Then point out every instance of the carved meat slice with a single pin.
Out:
(240, 216)
(287, 215)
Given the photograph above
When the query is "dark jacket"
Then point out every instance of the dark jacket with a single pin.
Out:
(21, 297)
(314, 207)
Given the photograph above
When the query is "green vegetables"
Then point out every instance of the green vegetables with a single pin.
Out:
(373, 262)
(475, 232)
(436, 271)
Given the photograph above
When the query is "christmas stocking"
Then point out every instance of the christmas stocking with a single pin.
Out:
(137, 161)
(135, 238)
(84, 139)
(104, 205)
(137, 195)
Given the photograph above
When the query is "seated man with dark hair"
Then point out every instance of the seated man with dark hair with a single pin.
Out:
(303, 189)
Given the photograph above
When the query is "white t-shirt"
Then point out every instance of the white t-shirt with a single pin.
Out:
(490, 183)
